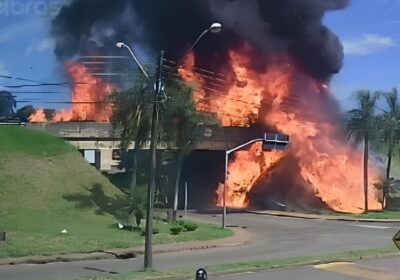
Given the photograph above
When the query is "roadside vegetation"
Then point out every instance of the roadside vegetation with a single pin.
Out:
(52, 201)
(378, 126)
(262, 265)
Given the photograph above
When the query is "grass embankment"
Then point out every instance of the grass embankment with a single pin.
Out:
(249, 266)
(384, 215)
(46, 186)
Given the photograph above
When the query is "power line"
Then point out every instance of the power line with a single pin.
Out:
(196, 68)
(223, 94)
(104, 56)
(62, 102)
(39, 92)
(209, 89)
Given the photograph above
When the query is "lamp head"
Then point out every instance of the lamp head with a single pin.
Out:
(119, 45)
(216, 27)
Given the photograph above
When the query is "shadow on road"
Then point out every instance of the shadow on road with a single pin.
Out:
(100, 270)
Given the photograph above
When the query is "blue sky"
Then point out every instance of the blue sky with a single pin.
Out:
(369, 30)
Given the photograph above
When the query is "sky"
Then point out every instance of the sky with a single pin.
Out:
(369, 30)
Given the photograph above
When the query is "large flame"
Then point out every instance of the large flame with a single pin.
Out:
(89, 98)
(293, 103)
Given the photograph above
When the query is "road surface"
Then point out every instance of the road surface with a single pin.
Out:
(374, 269)
(279, 237)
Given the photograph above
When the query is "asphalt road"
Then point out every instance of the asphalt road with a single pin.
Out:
(374, 269)
(279, 237)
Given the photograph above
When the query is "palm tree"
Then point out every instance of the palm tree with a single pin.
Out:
(184, 125)
(391, 119)
(362, 122)
(131, 116)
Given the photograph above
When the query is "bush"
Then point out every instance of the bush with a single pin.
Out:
(176, 230)
(189, 226)
(138, 204)
(156, 230)
(139, 215)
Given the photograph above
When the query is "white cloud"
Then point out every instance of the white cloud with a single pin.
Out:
(40, 46)
(17, 30)
(368, 44)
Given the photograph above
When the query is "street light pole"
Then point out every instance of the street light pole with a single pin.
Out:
(227, 153)
(216, 27)
(274, 141)
(123, 45)
(148, 251)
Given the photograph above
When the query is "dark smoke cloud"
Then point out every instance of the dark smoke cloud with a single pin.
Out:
(288, 26)
(315, 47)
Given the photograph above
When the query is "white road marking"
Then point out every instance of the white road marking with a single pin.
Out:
(366, 226)
(239, 273)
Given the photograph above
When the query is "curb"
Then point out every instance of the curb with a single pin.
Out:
(56, 258)
(132, 252)
(321, 217)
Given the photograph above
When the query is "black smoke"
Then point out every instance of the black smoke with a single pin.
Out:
(272, 26)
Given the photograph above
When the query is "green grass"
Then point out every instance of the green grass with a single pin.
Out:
(384, 215)
(14, 139)
(249, 266)
(284, 262)
(47, 187)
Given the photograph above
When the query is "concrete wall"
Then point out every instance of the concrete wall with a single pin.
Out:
(101, 138)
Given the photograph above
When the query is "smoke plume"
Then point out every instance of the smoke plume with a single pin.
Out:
(284, 26)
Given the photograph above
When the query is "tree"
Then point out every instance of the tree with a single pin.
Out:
(24, 113)
(131, 116)
(184, 125)
(391, 122)
(362, 122)
(388, 187)
(7, 105)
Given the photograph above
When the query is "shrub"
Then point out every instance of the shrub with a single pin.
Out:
(175, 230)
(188, 226)
(138, 204)
(139, 215)
(156, 230)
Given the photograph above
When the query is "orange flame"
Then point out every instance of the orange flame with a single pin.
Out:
(38, 116)
(331, 168)
(89, 94)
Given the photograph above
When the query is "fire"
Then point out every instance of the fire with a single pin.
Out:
(89, 95)
(244, 170)
(38, 116)
(293, 103)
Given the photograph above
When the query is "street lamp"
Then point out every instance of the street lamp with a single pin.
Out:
(123, 45)
(148, 254)
(216, 27)
(271, 141)
(159, 88)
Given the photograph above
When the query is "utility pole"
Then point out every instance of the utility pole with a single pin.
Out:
(148, 251)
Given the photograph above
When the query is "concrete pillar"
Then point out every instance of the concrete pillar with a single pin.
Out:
(105, 159)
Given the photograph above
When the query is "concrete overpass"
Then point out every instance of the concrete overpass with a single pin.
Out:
(101, 145)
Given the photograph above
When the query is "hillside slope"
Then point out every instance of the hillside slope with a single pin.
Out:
(46, 186)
